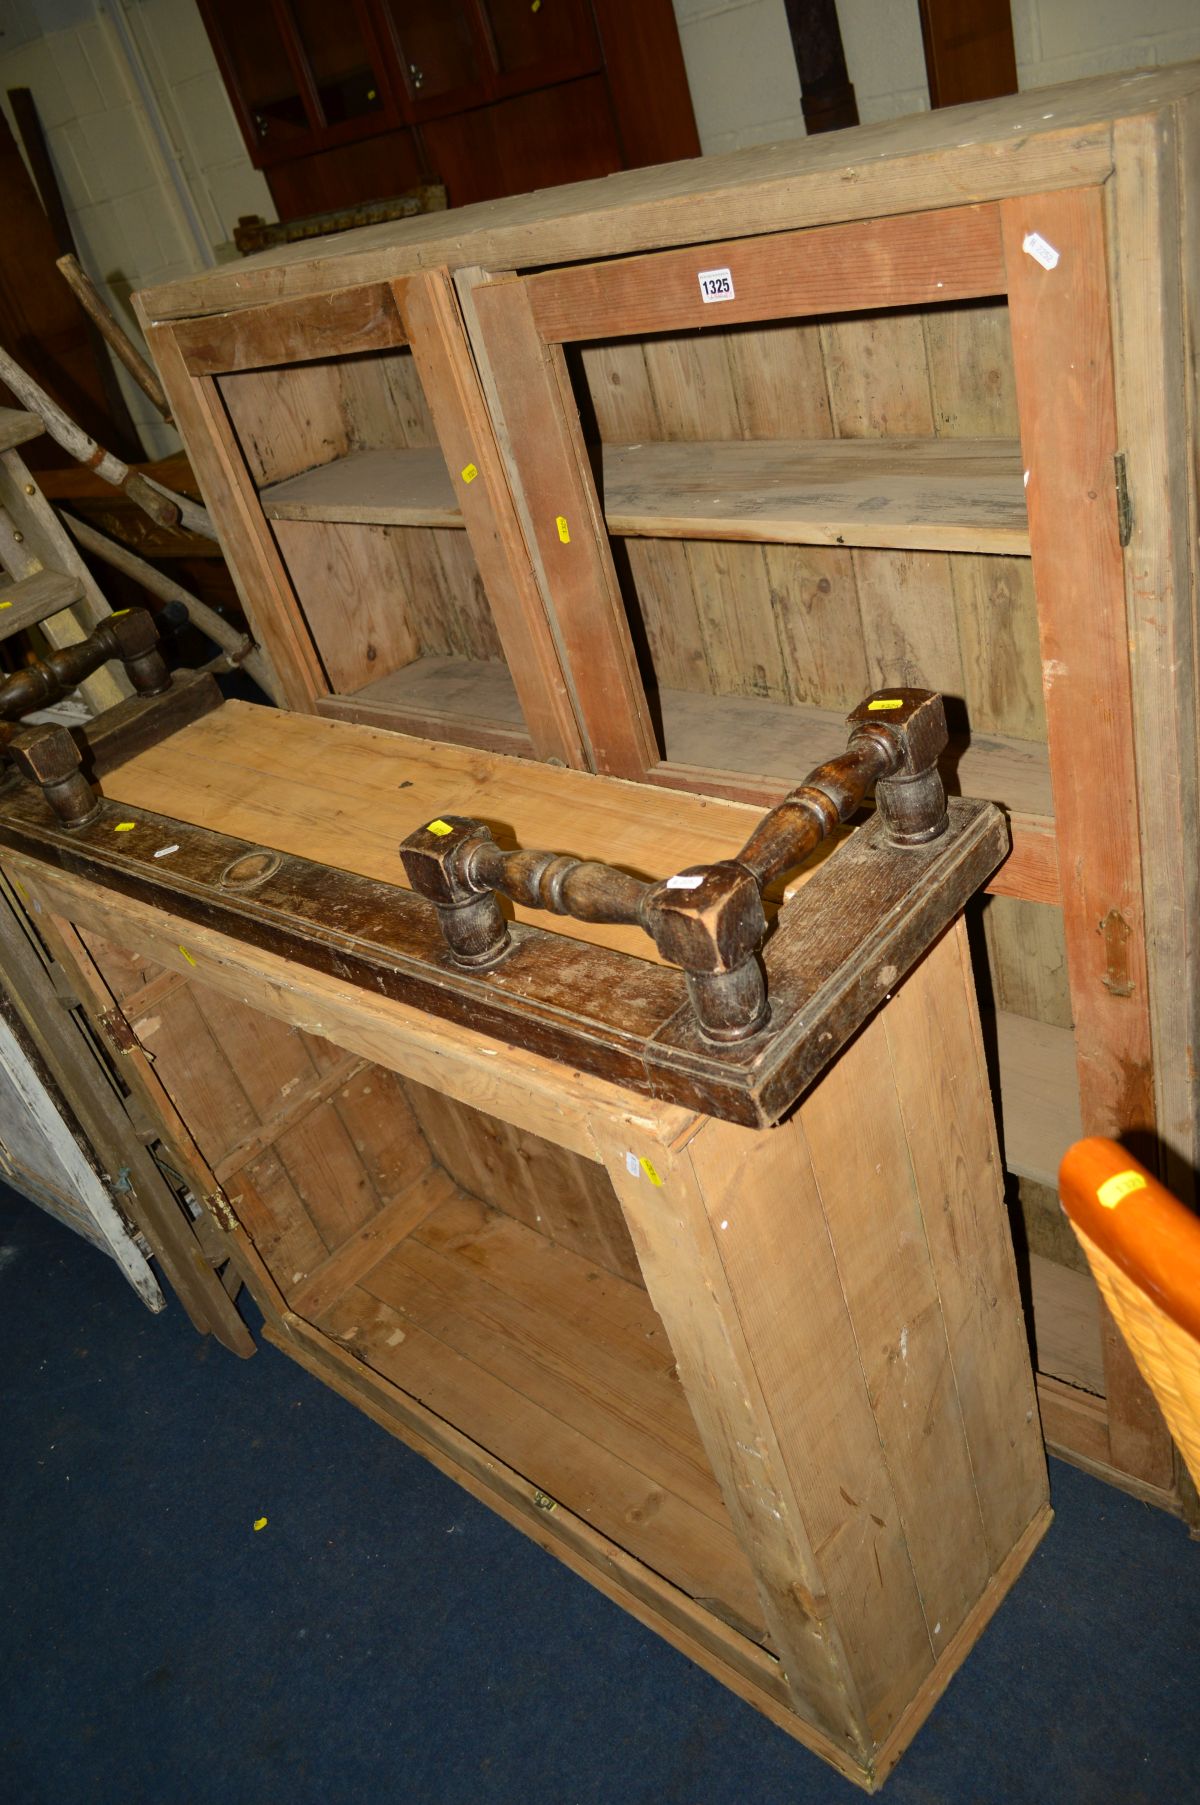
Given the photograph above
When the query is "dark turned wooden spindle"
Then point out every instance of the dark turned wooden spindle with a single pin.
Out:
(47, 755)
(708, 921)
(130, 636)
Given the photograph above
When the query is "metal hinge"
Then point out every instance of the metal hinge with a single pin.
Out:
(1117, 934)
(1124, 505)
(117, 1030)
(221, 1211)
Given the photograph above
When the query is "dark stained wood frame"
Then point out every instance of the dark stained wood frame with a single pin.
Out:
(858, 926)
(969, 50)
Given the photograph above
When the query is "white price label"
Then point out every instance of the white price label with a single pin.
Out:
(1040, 249)
(715, 284)
(683, 882)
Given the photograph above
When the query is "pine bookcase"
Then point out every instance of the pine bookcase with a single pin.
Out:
(659, 474)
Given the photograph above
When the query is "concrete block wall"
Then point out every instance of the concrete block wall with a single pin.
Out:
(152, 167)
(745, 89)
(154, 171)
(742, 72)
(1063, 40)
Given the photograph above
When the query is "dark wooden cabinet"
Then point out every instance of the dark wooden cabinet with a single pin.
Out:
(490, 97)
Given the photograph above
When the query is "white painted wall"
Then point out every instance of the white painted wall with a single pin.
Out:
(746, 91)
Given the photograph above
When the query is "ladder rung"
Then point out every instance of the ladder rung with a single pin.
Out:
(35, 599)
(16, 427)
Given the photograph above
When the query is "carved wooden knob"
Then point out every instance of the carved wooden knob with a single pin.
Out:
(49, 757)
(710, 922)
(436, 863)
(910, 798)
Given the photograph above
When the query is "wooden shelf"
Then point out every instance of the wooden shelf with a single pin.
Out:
(961, 495)
(741, 734)
(370, 488)
(564, 1372)
(465, 699)
(1067, 1324)
(926, 494)
(1038, 1103)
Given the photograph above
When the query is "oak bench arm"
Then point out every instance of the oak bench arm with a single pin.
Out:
(708, 920)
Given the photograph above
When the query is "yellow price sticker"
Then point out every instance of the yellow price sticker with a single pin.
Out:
(469, 472)
(124, 827)
(649, 1170)
(440, 828)
(885, 702)
(564, 532)
(187, 955)
(1123, 1184)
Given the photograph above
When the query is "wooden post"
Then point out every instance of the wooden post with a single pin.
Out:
(841, 1392)
(1062, 348)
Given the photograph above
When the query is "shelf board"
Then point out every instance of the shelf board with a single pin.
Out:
(1067, 1324)
(564, 1372)
(775, 741)
(469, 700)
(961, 495)
(1038, 1104)
(370, 488)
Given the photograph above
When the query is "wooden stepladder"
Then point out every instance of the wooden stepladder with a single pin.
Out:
(49, 586)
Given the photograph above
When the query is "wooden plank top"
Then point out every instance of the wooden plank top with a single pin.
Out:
(1057, 137)
(840, 945)
(345, 796)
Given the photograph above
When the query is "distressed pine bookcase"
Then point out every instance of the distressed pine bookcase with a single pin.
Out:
(936, 426)
(767, 1388)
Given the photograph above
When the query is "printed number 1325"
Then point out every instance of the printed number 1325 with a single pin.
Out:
(715, 284)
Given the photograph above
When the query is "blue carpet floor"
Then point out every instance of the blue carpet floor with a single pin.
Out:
(385, 1638)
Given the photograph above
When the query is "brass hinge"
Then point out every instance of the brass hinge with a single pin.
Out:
(117, 1030)
(1124, 505)
(221, 1211)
